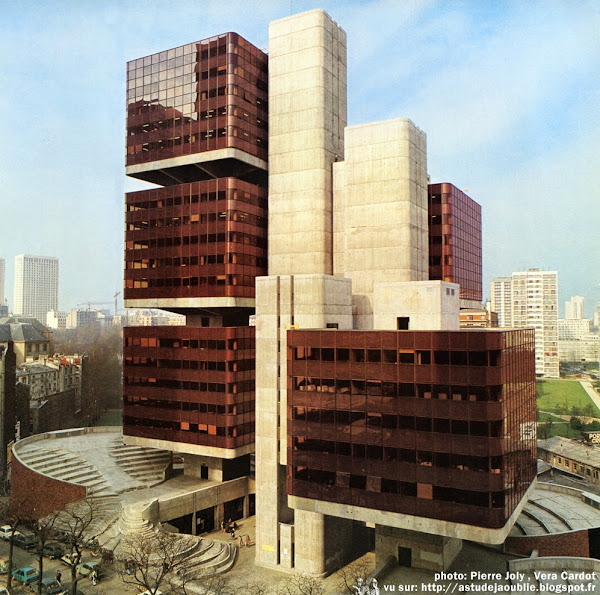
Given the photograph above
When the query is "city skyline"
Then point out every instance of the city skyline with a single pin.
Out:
(507, 96)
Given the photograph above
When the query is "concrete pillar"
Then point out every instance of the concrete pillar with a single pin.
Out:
(309, 528)
(307, 116)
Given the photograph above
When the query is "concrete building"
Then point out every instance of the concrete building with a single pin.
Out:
(584, 349)
(574, 308)
(478, 318)
(573, 328)
(78, 317)
(501, 300)
(36, 286)
(573, 456)
(455, 252)
(56, 320)
(535, 305)
(30, 338)
(343, 312)
(311, 487)
(54, 391)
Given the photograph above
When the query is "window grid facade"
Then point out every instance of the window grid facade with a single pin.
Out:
(435, 424)
(195, 240)
(203, 96)
(455, 252)
(36, 286)
(190, 385)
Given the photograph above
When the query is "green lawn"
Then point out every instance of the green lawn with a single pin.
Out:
(560, 396)
(561, 429)
(544, 417)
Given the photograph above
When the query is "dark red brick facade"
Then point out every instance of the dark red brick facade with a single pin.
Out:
(34, 495)
(574, 543)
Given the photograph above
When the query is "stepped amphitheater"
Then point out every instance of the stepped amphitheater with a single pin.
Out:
(122, 481)
(556, 509)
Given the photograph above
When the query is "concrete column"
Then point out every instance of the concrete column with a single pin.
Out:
(309, 528)
(307, 116)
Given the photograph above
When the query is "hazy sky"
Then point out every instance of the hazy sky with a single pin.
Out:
(507, 92)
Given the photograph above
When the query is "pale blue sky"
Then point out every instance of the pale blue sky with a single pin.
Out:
(507, 92)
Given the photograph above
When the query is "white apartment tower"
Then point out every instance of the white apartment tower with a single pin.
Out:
(36, 286)
(501, 301)
(535, 305)
(574, 308)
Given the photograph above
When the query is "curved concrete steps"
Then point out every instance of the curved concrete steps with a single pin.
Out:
(65, 465)
(552, 518)
(147, 465)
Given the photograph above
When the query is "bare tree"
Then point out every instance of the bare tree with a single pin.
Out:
(155, 562)
(216, 584)
(300, 584)
(348, 575)
(43, 530)
(11, 517)
(256, 587)
(74, 522)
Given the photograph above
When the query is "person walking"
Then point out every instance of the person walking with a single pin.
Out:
(94, 577)
(247, 540)
(58, 576)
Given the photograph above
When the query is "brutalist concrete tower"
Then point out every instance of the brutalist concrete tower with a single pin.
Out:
(307, 99)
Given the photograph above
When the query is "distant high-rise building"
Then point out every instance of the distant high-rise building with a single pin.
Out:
(455, 241)
(36, 286)
(574, 308)
(501, 300)
(2, 276)
(535, 305)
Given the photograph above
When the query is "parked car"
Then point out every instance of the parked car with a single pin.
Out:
(85, 568)
(25, 540)
(5, 532)
(4, 591)
(26, 575)
(51, 586)
(69, 559)
(53, 550)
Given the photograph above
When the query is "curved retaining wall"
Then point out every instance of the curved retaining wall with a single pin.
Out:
(34, 495)
(571, 543)
(550, 564)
